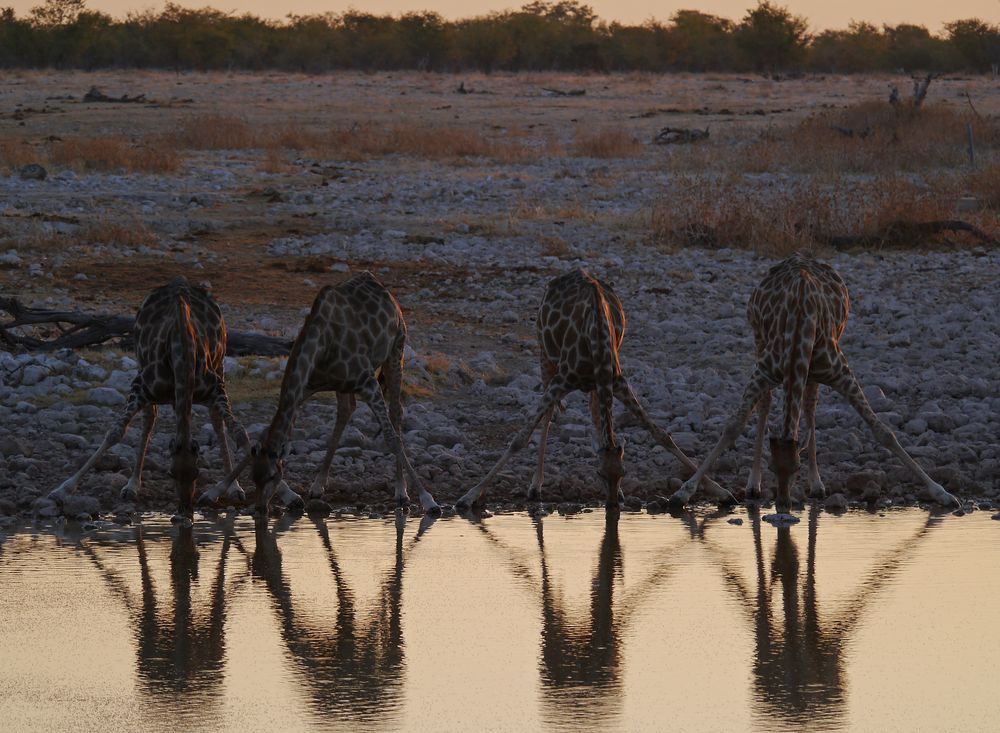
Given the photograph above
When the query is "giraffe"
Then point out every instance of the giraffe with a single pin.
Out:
(798, 314)
(180, 343)
(351, 343)
(580, 326)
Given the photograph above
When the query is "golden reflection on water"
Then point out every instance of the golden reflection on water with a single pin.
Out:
(857, 622)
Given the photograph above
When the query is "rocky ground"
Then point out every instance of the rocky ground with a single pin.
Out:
(468, 246)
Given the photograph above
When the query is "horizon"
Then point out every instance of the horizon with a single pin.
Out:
(821, 16)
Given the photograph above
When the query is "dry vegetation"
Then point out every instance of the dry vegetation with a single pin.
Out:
(109, 154)
(789, 215)
(607, 143)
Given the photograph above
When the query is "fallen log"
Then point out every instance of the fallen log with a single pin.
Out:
(908, 233)
(679, 136)
(96, 95)
(77, 330)
(564, 92)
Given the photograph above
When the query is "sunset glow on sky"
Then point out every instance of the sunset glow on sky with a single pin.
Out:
(821, 14)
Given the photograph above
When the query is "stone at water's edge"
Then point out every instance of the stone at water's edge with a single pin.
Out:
(835, 502)
(781, 520)
(996, 516)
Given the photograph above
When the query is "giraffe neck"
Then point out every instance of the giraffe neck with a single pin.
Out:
(293, 392)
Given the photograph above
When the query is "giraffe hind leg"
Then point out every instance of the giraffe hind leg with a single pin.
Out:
(751, 396)
(345, 408)
(816, 488)
(234, 492)
(131, 490)
(754, 481)
(372, 394)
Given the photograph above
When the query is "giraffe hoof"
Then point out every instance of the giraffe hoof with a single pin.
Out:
(128, 494)
(534, 494)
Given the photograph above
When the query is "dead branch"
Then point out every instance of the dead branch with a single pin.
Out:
(77, 330)
(679, 135)
(96, 95)
(907, 233)
(920, 87)
(564, 92)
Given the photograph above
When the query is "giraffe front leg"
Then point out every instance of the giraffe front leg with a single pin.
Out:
(131, 490)
(625, 395)
(553, 393)
(753, 482)
(535, 490)
(113, 436)
(751, 396)
(847, 385)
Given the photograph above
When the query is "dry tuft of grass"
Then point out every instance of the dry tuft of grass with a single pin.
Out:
(359, 143)
(606, 143)
(780, 218)
(15, 154)
(103, 231)
(214, 132)
(114, 154)
(984, 184)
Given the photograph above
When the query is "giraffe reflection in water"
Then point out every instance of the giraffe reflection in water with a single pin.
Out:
(581, 659)
(179, 648)
(355, 669)
(798, 667)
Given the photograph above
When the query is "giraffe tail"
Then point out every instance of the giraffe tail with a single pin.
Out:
(800, 339)
(183, 355)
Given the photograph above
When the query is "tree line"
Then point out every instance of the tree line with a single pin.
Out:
(542, 35)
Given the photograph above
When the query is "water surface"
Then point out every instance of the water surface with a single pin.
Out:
(860, 622)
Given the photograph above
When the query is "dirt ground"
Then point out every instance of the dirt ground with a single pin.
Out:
(466, 242)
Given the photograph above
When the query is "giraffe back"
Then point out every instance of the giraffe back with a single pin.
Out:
(798, 297)
(580, 325)
(351, 330)
(174, 318)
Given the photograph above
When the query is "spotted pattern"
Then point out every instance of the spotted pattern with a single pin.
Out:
(580, 327)
(180, 340)
(351, 343)
(798, 314)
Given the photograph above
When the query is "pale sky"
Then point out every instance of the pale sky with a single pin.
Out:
(822, 14)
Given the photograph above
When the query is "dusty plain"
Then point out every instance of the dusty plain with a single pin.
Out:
(268, 186)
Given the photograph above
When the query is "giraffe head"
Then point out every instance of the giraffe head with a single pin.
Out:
(266, 468)
(612, 470)
(184, 469)
(785, 464)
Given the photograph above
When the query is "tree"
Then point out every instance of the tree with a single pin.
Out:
(57, 12)
(700, 41)
(770, 37)
(976, 40)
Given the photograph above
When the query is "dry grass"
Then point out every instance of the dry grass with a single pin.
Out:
(607, 143)
(436, 363)
(984, 184)
(109, 154)
(17, 153)
(214, 132)
(103, 231)
(874, 137)
(554, 246)
(782, 217)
